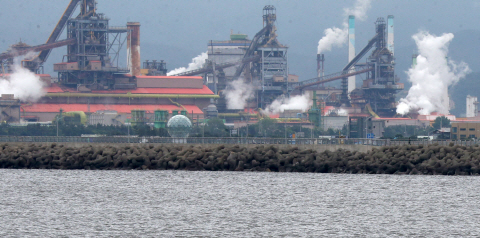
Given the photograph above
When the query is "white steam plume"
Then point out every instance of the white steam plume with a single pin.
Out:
(196, 63)
(237, 93)
(338, 36)
(432, 75)
(24, 84)
(333, 37)
(337, 112)
(299, 102)
(359, 10)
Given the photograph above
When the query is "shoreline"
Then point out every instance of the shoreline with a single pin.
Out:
(406, 159)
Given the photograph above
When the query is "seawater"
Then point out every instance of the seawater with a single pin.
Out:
(53, 203)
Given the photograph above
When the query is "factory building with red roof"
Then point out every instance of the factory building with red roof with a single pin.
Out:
(169, 93)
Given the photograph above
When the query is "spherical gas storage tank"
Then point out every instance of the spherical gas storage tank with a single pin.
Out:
(179, 126)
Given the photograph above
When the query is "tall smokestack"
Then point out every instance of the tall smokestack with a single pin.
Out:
(351, 49)
(390, 44)
(320, 66)
(133, 48)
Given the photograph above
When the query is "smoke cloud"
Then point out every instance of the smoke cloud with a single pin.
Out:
(337, 112)
(338, 36)
(237, 93)
(299, 102)
(333, 37)
(432, 75)
(359, 10)
(196, 63)
(24, 84)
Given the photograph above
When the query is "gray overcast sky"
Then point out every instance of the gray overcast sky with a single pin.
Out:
(178, 30)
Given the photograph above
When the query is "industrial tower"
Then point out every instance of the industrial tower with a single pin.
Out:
(92, 61)
(377, 94)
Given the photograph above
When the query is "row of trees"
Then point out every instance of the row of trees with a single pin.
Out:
(78, 130)
(405, 131)
(215, 127)
(266, 127)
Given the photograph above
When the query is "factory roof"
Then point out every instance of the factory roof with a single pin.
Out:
(39, 107)
(205, 90)
(398, 118)
(169, 77)
(460, 120)
(230, 44)
(359, 115)
(39, 75)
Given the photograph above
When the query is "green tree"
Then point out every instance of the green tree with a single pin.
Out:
(330, 132)
(268, 127)
(215, 128)
(441, 122)
(406, 131)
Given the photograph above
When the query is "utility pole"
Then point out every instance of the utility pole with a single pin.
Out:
(246, 137)
(441, 127)
(58, 118)
(128, 131)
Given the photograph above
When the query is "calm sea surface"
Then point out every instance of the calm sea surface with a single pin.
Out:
(51, 203)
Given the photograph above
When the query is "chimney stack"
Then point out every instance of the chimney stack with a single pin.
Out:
(133, 48)
(320, 65)
(390, 45)
(351, 50)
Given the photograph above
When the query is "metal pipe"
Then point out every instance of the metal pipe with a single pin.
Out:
(236, 115)
(178, 104)
(130, 95)
(38, 48)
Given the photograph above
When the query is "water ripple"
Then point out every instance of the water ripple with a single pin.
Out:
(45, 203)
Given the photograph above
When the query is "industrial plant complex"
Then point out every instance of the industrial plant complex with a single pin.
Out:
(92, 87)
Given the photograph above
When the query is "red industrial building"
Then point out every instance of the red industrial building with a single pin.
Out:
(169, 93)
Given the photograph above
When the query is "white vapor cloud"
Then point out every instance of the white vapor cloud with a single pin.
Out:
(432, 75)
(24, 84)
(237, 93)
(196, 63)
(299, 102)
(335, 36)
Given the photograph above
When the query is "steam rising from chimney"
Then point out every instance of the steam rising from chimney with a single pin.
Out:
(196, 63)
(431, 76)
(338, 36)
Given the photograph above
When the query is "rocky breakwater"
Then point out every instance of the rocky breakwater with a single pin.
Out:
(411, 159)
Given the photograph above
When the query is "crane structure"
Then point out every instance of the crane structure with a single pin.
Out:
(211, 66)
(35, 63)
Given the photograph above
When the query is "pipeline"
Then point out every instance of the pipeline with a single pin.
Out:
(236, 114)
(82, 115)
(178, 104)
(370, 110)
(112, 95)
